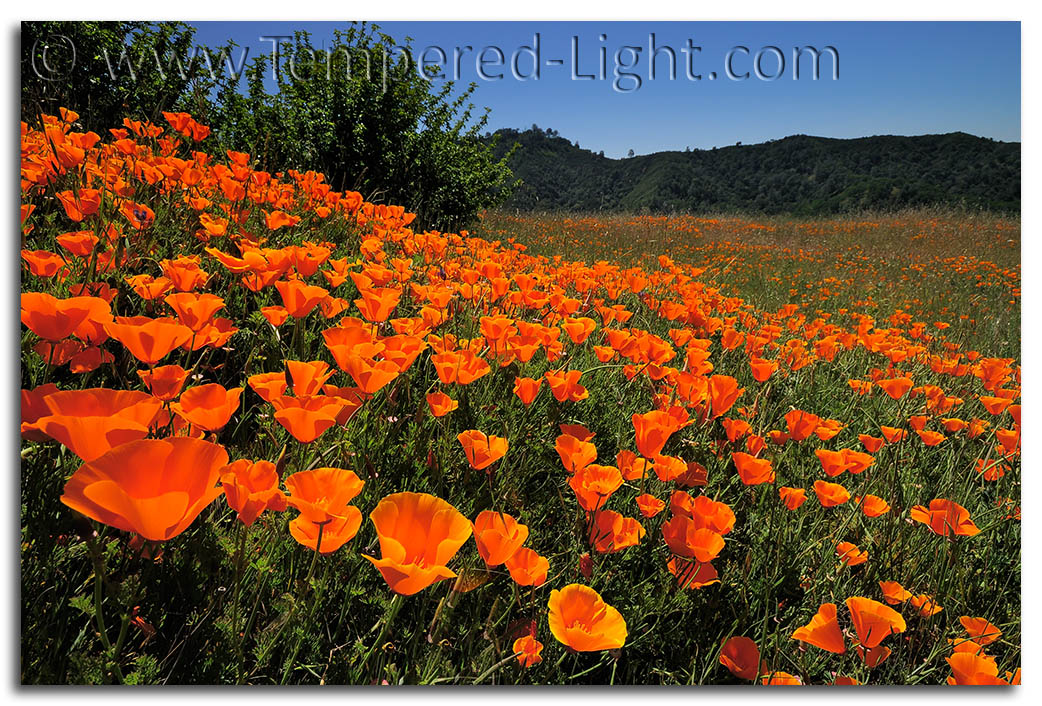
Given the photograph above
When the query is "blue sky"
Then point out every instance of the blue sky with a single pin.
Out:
(904, 78)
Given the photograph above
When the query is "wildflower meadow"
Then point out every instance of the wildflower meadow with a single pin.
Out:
(273, 433)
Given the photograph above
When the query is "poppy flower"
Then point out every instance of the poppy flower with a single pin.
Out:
(706, 512)
(873, 621)
(893, 592)
(376, 303)
(925, 605)
(208, 407)
(762, 369)
(850, 555)
(830, 494)
(653, 430)
(575, 454)
(194, 310)
(781, 679)
(686, 538)
(329, 536)
(632, 466)
(873, 657)
(611, 532)
(527, 649)
(33, 408)
(307, 418)
(419, 534)
(320, 494)
(980, 630)
(53, 319)
(752, 470)
(970, 669)
(580, 619)
(268, 385)
(527, 568)
(369, 375)
(149, 340)
(823, 630)
(153, 487)
(441, 404)
(742, 657)
(298, 298)
(565, 385)
(594, 484)
(308, 378)
(801, 424)
(930, 438)
(893, 435)
(650, 505)
(872, 444)
(526, 389)
(945, 517)
(668, 468)
(164, 382)
(251, 488)
(691, 573)
(498, 536)
(275, 315)
(91, 422)
(792, 497)
(873, 505)
(895, 387)
(462, 367)
(723, 392)
(482, 451)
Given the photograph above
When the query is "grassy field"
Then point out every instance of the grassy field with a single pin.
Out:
(274, 434)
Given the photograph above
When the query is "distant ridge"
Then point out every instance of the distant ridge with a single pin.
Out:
(801, 175)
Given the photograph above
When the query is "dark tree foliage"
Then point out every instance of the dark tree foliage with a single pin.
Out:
(106, 71)
(800, 175)
(357, 110)
(360, 112)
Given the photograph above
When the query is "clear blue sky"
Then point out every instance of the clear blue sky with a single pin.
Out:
(903, 78)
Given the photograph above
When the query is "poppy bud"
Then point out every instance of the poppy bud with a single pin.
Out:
(586, 566)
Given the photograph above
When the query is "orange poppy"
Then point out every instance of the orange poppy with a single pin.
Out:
(153, 487)
(850, 555)
(298, 298)
(873, 657)
(580, 619)
(527, 649)
(980, 630)
(565, 385)
(781, 679)
(823, 630)
(872, 444)
(575, 454)
(498, 536)
(320, 494)
(895, 387)
(462, 367)
(686, 538)
(419, 534)
(945, 517)
(594, 484)
(830, 494)
(893, 592)
(925, 605)
(632, 466)
(971, 669)
(33, 408)
(54, 319)
(482, 451)
(872, 505)
(752, 470)
(873, 621)
(208, 407)
(164, 382)
(194, 310)
(692, 574)
(526, 389)
(742, 657)
(653, 430)
(369, 375)
(307, 418)
(441, 404)
(377, 304)
(268, 385)
(762, 369)
(251, 488)
(527, 568)
(650, 505)
(149, 340)
(801, 424)
(723, 392)
(611, 532)
(308, 378)
(792, 497)
(91, 422)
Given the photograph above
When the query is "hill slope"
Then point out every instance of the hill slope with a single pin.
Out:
(800, 174)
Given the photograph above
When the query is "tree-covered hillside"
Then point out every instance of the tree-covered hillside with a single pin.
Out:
(800, 175)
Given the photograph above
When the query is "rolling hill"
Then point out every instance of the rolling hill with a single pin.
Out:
(801, 175)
